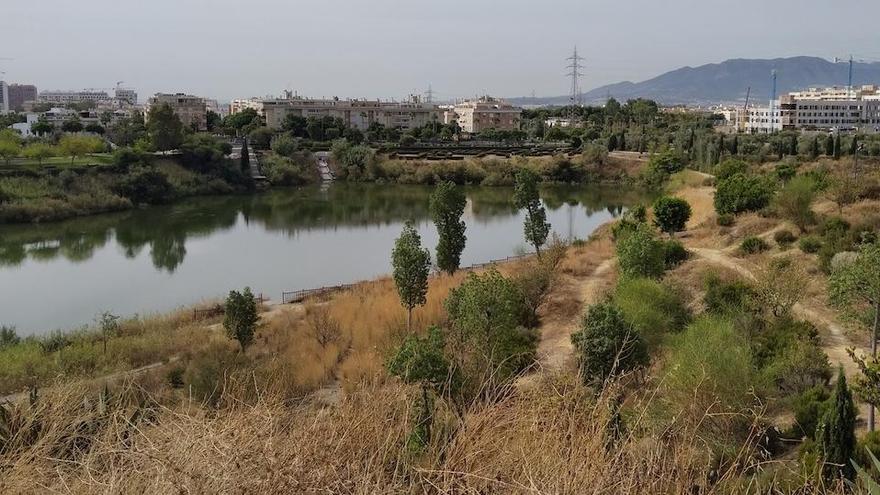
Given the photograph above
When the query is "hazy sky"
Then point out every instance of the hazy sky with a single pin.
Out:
(390, 48)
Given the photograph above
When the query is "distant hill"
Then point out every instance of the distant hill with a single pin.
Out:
(727, 82)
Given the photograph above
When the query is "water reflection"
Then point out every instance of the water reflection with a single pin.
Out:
(166, 230)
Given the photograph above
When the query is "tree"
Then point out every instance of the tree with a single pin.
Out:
(9, 149)
(241, 318)
(640, 253)
(38, 151)
(213, 121)
(859, 283)
(42, 127)
(780, 286)
(164, 128)
(94, 129)
(837, 150)
(261, 138)
(829, 145)
(740, 192)
(525, 195)
(284, 145)
(109, 324)
(606, 344)
(447, 206)
(836, 433)
(814, 148)
(411, 267)
(75, 146)
(671, 214)
(487, 336)
(72, 125)
(794, 201)
(245, 157)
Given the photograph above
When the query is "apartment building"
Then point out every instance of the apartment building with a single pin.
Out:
(191, 110)
(126, 95)
(359, 114)
(4, 97)
(820, 109)
(240, 105)
(475, 116)
(19, 94)
(68, 97)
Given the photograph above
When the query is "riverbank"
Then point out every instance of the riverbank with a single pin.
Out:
(720, 370)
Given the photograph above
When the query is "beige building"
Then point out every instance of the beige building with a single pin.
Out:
(475, 116)
(354, 113)
(820, 109)
(191, 110)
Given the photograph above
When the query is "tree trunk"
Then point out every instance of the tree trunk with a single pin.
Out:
(874, 356)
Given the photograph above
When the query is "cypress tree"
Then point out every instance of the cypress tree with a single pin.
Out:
(836, 434)
(447, 206)
(829, 145)
(837, 147)
(734, 147)
(814, 148)
(245, 157)
(721, 145)
(793, 145)
(853, 145)
(525, 196)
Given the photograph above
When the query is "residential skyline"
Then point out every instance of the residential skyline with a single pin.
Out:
(388, 49)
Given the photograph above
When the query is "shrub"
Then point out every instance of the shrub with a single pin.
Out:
(8, 336)
(868, 443)
(725, 219)
(671, 214)
(729, 167)
(146, 186)
(651, 307)
(284, 171)
(793, 202)
(724, 297)
(753, 245)
(808, 408)
(641, 254)
(241, 317)
(674, 254)
(784, 238)
(739, 193)
(208, 370)
(607, 344)
(810, 244)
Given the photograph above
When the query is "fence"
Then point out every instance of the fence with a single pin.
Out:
(303, 294)
(219, 309)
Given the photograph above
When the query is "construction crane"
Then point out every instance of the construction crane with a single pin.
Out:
(745, 113)
(851, 60)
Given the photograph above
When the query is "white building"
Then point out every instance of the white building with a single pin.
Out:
(826, 109)
(67, 97)
(359, 114)
(475, 116)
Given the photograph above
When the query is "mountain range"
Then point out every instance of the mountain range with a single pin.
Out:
(727, 82)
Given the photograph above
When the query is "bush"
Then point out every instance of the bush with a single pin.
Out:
(740, 193)
(208, 369)
(8, 336)
(784, 238)
(671, 214)
(753, 245)
(660, 167)
(284, 171)
(146, 186)
(725, 220)
(810, 244)
(808, 408)
(607, 344)
(794, 202)
(674, 254)
(641, 254)
(729, 167)
(651, 307)
(868, 443)
(734, 297)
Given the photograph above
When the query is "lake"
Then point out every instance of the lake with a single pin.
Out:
(61, 275)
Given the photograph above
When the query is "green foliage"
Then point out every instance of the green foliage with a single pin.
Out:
(858, 282)
(283, 171)
(607, 344)
(354, 161)
(446, 207)
(285, 145)
(8, 336)
(411, 266)
(38, 151)
(489, 342)
(725, 219)
(241, 318)
(423, 360)
(784, 238)
(710, 365)
(809, 407)
(728, 297)
(164, 128)
(836, 432)
(789, 352)
(75, 145)
(730, 167)
(671, 214)
(740, 193)
(660, 166)
(651, 307)
(9, 149)
(753, 245)
(641, 254)
(794, 202)
(203, 151)
(810, 244)
(146, 185)
(261, 137)
(525, 196)
(674, 253)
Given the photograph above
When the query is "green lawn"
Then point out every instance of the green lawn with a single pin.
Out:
(62, 161)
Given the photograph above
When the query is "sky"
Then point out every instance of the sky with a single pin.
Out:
(227, 49)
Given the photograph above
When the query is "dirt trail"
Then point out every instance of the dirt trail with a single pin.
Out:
(555, 347)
